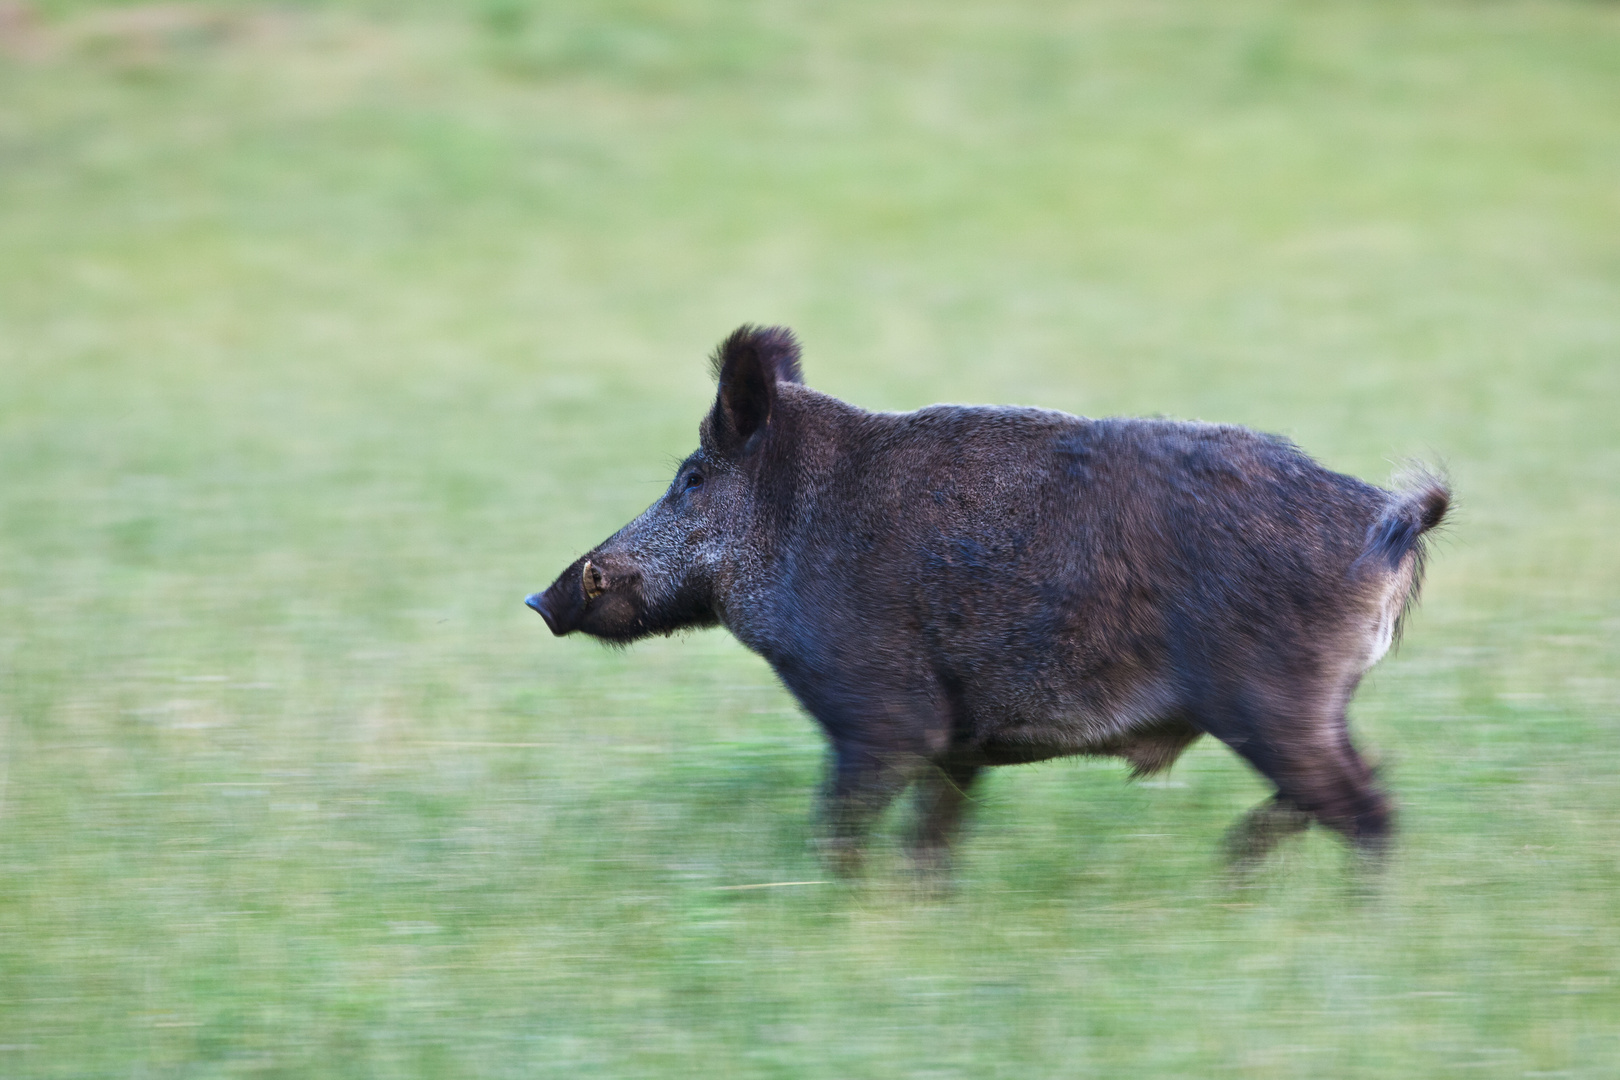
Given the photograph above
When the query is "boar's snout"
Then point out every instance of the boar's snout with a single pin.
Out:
(574, 595)
(563, 604)
(537, 601)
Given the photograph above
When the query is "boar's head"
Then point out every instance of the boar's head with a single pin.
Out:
(669, 568)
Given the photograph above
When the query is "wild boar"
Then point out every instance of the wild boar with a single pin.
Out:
(959, 587)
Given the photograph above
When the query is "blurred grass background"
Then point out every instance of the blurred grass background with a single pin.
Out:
(329, 330)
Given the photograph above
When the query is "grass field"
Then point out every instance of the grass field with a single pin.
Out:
(329, 331)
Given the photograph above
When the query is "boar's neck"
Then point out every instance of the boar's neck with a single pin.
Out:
(815, 441)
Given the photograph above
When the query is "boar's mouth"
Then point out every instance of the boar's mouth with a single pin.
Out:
(587, 597)
(592, 582)
(563, 604)
(603, 596)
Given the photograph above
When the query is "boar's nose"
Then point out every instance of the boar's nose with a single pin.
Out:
(538, 602)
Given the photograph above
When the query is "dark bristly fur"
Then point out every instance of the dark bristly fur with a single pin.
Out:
(957, 587)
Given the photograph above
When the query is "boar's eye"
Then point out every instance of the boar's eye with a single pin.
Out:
(694, 479)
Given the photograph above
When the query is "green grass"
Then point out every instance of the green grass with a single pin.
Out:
(329, 331)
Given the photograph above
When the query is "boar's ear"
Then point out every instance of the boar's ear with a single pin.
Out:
(748, 365)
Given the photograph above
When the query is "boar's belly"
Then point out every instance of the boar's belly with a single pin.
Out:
(1130, 725)
(1150, 747)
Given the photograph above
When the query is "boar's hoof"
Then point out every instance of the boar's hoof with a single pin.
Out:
(1249, 841)
(841, 855)
(592, 580)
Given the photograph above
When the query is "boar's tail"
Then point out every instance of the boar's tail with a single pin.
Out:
(1419, 506)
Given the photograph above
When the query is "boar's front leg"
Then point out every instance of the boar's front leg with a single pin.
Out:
(861, 784)
(942, 796)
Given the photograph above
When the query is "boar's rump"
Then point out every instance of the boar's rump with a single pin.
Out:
(959, 587)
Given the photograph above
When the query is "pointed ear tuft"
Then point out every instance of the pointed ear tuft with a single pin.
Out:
(748, 365)
(776, 347)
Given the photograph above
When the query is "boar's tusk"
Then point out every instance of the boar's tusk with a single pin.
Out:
(592, 581)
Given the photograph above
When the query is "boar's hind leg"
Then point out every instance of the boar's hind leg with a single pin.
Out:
(942, 796)
(1258, 832)
(862, 783)
(1318, 775)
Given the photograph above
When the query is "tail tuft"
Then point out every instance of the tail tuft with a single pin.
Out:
(1413, 511)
